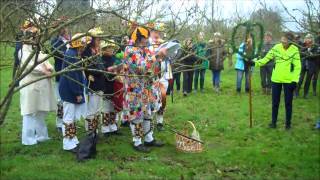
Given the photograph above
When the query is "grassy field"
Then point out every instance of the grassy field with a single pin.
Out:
(232, 149)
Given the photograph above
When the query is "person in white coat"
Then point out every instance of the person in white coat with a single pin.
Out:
(36, 99)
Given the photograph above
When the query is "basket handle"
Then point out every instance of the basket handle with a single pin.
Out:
(185, 129)
(193, 126)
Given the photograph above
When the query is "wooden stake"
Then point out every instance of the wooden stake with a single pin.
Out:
(250, 97)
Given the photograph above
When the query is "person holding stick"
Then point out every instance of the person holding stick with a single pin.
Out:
(285, 75)
(95, 79)
(242, 66)
(109, 122)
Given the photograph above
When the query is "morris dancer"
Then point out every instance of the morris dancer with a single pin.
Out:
(96, 80)
(109, 122)
(139, 63)
(71, 90)
(59, 46)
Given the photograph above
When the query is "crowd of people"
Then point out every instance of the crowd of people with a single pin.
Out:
(108, 83)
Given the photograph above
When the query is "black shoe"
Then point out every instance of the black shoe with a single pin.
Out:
(117, 133)
(142, 148)
(154, 143)
(125, 124)
(160, 127)
(288, 127)
(272, 125)
(107, 135)
(74, 150)
(185, 94)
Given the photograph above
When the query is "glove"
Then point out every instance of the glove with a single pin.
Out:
(251, 63)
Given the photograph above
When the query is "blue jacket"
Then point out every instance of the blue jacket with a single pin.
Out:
(58, 55)
(240, 60)
(69, 89)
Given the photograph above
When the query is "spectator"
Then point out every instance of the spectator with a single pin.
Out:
(303, 52)
(312, 55)
(216, 55)
(202, 62)
(266, 71)
(188, 60)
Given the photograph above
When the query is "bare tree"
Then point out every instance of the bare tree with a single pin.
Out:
(44, 12)
(310, 21)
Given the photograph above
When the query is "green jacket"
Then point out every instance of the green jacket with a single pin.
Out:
(287, 63)
(201, 51)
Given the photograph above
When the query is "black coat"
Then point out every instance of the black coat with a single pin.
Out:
(95, 64)
(190, 60)
(109, 79)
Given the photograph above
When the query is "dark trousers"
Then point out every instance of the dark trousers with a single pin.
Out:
(315, 80)
(176, 79)
(197, 73)
(187, 81)
(288, 96)
(302, 75)
(312, 74)
(265, 74)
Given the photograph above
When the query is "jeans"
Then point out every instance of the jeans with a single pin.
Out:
(187, 81)
(288, 96)
(202, 73)
(176, 78)
(265, 74)
(239, 79)
(216, 78)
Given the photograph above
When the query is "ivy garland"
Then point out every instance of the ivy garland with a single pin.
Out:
(249, 26)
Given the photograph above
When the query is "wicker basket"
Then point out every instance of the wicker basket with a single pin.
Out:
(185, 144)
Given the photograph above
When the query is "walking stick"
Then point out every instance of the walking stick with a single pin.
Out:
(255, 51)
(250, 97)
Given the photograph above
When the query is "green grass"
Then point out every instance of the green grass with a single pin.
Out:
(232, 150)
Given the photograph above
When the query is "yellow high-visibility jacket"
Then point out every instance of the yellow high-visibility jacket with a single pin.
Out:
(287, 63)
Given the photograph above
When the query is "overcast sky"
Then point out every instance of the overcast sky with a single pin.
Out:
(226, 9)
